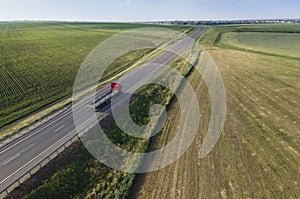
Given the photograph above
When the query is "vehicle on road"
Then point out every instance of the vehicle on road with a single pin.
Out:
(103, 100)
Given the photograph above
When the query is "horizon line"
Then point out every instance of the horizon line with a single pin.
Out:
(150, 21)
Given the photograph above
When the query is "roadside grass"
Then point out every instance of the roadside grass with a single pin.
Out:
(122, 63)
(258, 154)
(180, 179)
(44, 114)
(39, 61)
(87, 177)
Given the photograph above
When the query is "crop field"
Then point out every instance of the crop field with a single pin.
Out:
(258, 154)
(283, 28)
(86, 177)
(39, 61)
(285, 44)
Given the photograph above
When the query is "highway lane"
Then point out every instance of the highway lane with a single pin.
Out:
(17, 157)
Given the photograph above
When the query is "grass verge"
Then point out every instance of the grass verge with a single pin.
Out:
(258, 154)
(39, 61)
(117, 68)
(86, 177)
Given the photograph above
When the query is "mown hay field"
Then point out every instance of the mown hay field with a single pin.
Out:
(258, 154)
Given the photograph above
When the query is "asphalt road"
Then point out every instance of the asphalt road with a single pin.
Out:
(18, 156)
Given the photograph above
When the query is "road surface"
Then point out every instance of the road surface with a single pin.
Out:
(18, 156)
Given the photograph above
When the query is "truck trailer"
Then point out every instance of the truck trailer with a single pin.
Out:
(105, 99)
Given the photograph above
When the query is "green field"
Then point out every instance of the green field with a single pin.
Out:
(285, 44)
(39, 61)
(283, 28)
(86, 177)
(258, 154)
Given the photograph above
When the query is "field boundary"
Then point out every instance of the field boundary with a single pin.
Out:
(33, 168)
(218, 43)
(135, 63)
(115, 74)
(43, 160)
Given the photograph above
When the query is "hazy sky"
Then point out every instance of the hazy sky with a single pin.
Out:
(146, 10)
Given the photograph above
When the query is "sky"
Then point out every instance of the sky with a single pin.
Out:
(147, 10)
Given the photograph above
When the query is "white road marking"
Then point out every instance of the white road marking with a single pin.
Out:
(32, 134)
(28, 147)
(17, 155)
(33, 159)
(10, 159)
(59, 128)
(37, 155)
(47, 125)
(44, 150)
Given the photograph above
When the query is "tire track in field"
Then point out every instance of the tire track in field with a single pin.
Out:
(253, 159)
(273, 147)
(174, 180)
